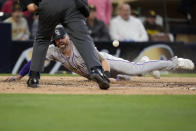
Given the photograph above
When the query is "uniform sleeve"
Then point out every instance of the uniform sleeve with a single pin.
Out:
(25, 69)
(50, 53)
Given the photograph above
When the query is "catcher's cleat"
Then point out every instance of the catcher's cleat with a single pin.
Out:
(98, 76)
(33, 80)
(184, 63)
(156, 73)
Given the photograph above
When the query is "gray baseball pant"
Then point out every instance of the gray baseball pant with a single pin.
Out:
(132, 68)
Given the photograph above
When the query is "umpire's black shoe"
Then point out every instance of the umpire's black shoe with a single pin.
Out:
(33, 80)
(98, 76)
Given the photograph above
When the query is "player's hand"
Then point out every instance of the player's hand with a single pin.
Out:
(13, 78)
(112, 80)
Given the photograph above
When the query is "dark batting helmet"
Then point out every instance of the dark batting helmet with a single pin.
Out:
(59, 32)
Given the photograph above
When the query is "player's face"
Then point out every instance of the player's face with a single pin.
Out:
(63, 42)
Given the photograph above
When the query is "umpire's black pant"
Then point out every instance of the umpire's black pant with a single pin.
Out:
(53, 12)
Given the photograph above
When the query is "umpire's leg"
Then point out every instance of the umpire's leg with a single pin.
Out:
(76, 26)
(48, 19)
(75, 23)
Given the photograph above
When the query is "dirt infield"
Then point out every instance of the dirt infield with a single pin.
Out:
(79, 85)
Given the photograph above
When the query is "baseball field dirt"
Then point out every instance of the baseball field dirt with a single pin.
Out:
(79, 85)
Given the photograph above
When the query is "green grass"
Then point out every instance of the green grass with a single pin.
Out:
(19, 112)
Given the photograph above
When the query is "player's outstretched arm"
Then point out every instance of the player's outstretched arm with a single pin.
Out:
(13, 78)
(25, 69)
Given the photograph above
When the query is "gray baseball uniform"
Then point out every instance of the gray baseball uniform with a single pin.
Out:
(76, 64)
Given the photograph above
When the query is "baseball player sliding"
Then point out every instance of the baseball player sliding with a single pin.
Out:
(64, 51)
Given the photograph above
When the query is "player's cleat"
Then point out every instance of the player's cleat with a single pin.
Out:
(156, 73)
(184, 63)
(33, 80)
(98, 76)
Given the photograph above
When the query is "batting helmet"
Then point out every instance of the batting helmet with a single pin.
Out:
(58, 33)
